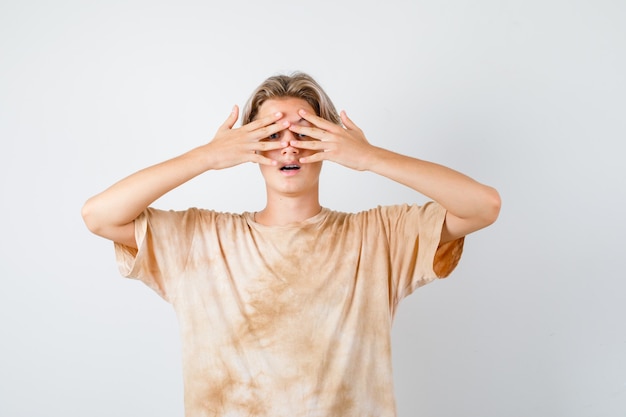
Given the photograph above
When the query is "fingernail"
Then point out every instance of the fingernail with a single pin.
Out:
(302, 111)
(278, 114)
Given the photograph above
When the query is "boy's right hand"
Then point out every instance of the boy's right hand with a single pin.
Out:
(232, 147)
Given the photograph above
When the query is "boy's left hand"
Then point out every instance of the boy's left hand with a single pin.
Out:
(344, 145)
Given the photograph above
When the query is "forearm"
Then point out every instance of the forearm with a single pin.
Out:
(470, 205)
(121, 203)
(112, 212)
(459, 194)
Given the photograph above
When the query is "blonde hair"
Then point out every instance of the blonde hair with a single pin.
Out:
(297, 85)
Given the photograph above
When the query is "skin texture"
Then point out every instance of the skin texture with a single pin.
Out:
(111, 213)
(293, 195)
(471, 205)
(246, 337)
(287, 131)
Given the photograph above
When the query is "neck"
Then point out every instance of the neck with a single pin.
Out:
(284, 210)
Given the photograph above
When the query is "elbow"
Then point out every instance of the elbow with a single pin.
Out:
(87, 213)
(493, 203)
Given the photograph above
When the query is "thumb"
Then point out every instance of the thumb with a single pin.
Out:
(347, 122)
(232, 118)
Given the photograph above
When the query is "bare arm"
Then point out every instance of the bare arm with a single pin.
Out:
(111, 213)
(470, 205)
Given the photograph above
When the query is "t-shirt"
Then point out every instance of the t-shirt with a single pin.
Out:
(288, 321)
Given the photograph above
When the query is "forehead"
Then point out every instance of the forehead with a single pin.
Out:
(289, 106)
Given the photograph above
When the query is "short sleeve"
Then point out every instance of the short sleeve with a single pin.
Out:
(163, 239)
(417, 258)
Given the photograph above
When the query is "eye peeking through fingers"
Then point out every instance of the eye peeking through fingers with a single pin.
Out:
(276, 136)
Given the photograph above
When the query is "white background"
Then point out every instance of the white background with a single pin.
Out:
(527, 96)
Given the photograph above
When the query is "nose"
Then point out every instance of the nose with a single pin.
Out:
(288, 137)
(289, 150)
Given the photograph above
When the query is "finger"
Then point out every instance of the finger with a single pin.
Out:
(263, 160)
(266, 131)
(313, 145)
(316, 157)
(347, 122)
(264, 146)
(232, 119)
(311, 132)
(262, 122)
(317, 121)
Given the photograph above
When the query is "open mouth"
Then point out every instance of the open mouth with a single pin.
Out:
(290, 167)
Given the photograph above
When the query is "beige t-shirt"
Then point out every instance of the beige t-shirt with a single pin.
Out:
(289, 321)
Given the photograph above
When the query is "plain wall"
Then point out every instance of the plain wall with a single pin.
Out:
(527, 96)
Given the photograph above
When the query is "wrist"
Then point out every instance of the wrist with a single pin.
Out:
(375, 158)
(201, 158)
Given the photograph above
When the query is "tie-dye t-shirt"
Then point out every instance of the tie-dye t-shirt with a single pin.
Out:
(288, 321)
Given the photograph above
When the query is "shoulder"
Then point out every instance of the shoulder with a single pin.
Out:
(191, 216)
(403, 218)
(389, 212)
(378, 217)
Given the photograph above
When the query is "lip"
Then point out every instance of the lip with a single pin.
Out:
(289, 169)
